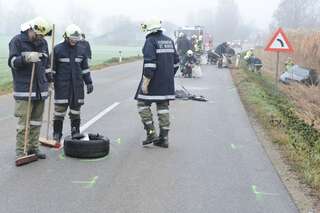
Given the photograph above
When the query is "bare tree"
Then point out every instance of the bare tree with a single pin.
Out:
(298, 14)
(79, 16)
(226, 20)
(203, 17)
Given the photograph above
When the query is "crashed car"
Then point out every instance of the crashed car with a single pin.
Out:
(301, 75)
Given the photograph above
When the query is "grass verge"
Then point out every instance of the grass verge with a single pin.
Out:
(299, 141)
(115, 61)
(6, 87)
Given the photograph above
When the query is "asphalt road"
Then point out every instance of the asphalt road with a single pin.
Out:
(214, 164)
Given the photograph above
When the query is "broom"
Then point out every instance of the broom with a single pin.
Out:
(46, 141)
(28, 158)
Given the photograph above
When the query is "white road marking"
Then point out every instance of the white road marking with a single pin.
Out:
(98, 117)
(93, 120)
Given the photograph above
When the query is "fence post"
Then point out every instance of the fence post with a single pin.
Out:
(120, 56)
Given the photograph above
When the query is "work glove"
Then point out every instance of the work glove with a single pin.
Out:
(145, 85)
(89, 88)
(32, 57)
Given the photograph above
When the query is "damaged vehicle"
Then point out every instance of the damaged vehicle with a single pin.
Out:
(299, 74)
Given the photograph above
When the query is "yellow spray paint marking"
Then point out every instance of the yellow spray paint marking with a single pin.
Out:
(62, 156)
(87, 184)
(259, 195)
(235, 147)
(119, 141)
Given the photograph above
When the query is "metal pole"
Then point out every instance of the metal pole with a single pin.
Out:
(277, 72)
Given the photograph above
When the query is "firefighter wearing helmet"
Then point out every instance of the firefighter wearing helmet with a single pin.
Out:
(161, 63)
(28, 49)
(71, 72)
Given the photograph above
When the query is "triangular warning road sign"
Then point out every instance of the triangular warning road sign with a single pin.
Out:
(279, 43)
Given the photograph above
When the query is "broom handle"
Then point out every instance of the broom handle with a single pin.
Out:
(27, 129)
(50, 84)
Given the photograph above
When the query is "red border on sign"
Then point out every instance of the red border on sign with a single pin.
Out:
(269, 48)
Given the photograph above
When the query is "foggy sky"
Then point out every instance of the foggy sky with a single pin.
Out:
(258, 13)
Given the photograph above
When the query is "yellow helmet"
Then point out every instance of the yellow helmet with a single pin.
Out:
(152, 25)
(39, 25)
(73, 32)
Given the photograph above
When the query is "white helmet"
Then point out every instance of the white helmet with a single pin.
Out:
(151, 26)
(200, 38)
(73, 32)
(39, 25)
(189, 52)
(181, 34)
(251, 48)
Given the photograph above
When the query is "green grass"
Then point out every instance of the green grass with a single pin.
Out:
(102, 55)
(5, 74)
(275, 111)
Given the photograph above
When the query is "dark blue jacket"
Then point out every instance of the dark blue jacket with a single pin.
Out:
(183, 45)
(221, 49)
(21, 71)
(161, 62)
(71, 71)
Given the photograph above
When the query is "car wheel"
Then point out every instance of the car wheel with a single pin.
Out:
(86, 148)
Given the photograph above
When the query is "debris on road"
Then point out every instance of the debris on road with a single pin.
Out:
(184, 94)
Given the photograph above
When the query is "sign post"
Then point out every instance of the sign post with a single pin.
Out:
(279, 43)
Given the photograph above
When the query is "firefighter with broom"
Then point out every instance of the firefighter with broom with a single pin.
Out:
(28, 60)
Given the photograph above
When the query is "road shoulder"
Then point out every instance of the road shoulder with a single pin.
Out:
(302, 195)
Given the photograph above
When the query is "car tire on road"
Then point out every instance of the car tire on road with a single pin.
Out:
(86, 148)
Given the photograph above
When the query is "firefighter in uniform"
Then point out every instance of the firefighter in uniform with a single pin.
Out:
(221, 50)
(289, 63)
(161, 62)
(87, 46)
(71, 72)
(26, 49)
(183, 45)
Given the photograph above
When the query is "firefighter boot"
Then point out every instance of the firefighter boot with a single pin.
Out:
(151, 135)
(75, 127)
(57, 130)
(163, 139)
(38, 153)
